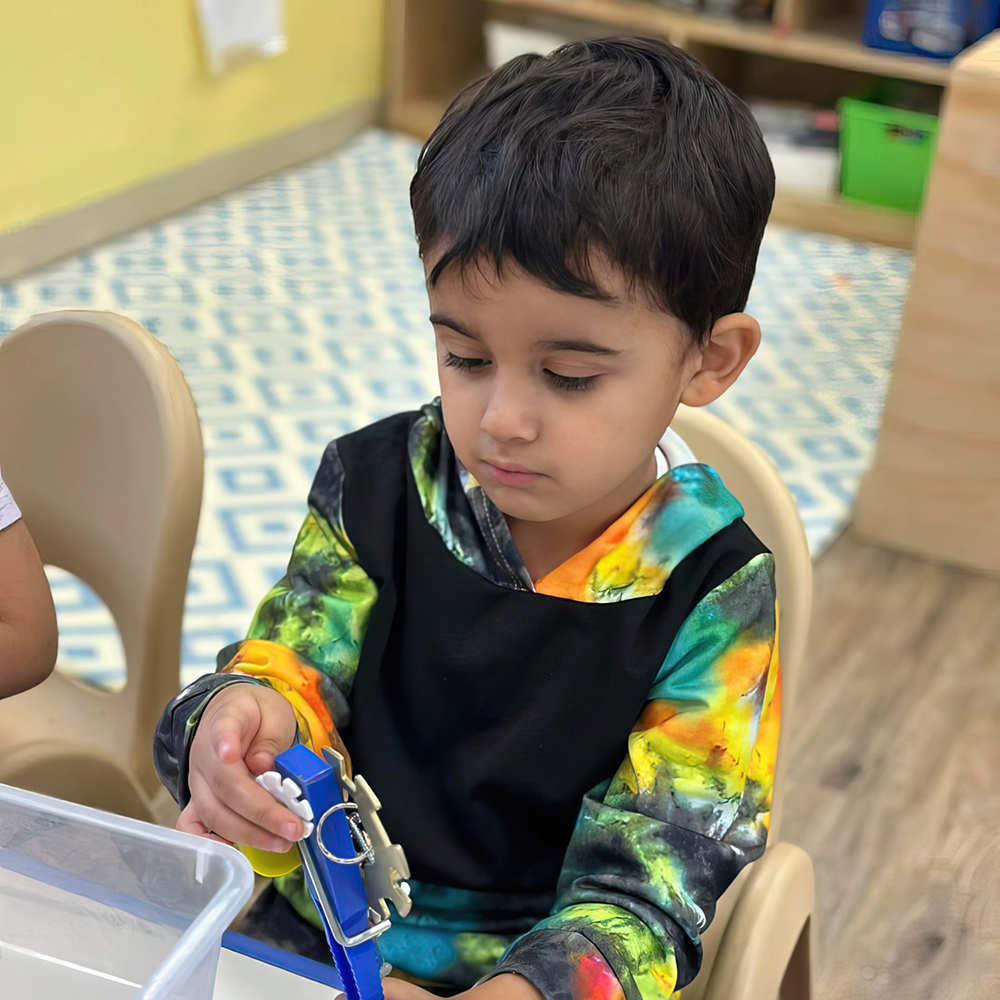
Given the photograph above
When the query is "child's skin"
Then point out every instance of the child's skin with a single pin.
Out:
(28, 635)
(555, 403)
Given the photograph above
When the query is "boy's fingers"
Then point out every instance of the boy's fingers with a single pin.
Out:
(223, 817)
(188, 822)
(235, 787)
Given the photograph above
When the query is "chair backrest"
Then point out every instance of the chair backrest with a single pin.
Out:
(101, 445)
(772, 514)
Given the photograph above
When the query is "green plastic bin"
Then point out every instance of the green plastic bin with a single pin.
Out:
(885, 153)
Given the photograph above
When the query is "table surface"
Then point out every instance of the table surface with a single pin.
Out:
(243, 978)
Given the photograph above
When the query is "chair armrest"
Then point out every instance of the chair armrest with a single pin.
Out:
(765, 927)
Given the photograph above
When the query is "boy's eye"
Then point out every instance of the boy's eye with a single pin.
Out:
(571, 384)
(564, 382)
(463, 364)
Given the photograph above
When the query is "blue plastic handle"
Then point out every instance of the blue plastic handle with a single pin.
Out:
(342, 885)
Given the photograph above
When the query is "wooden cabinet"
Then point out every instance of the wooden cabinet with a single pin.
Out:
(934, 487)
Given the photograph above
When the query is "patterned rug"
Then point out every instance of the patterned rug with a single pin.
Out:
(296, 309)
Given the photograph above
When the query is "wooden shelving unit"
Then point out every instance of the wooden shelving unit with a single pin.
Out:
(810, 46)
(780, 40)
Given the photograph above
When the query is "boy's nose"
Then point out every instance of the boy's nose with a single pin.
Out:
(509, 413)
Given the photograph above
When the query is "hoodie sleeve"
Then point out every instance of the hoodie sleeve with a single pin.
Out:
(304, 641)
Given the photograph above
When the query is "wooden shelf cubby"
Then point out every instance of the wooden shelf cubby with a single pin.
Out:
(809, 49)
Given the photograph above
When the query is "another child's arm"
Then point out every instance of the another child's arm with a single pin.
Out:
(656, 846)
(28, 634)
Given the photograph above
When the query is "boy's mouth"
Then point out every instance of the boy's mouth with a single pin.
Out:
(510, 474)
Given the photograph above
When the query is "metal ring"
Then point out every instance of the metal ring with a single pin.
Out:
(360, 858)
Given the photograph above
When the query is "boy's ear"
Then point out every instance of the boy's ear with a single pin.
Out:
(734, 341)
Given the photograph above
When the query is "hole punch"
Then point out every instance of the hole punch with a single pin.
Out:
(350, 890)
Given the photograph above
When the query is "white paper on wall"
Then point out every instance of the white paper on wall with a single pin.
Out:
(237, 31)
(505, 41)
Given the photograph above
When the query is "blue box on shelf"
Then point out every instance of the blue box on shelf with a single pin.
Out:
(936, 28)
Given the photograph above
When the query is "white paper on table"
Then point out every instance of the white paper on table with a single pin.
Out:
(237, 31)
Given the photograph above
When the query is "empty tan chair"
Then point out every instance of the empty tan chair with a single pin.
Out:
(759, 942)
(101, 445)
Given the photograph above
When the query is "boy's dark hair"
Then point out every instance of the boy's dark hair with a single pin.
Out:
(627, 147)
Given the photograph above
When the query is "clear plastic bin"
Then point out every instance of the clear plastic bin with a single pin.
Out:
(97, 907)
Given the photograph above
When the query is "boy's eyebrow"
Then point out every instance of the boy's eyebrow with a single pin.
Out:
(438, 320)
(583, 346)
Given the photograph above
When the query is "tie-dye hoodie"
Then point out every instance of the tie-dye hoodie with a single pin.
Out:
(661, 835)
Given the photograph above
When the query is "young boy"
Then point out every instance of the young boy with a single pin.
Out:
(544, 633)
(28, 636)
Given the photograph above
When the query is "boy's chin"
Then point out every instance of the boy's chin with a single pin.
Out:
(519, 507)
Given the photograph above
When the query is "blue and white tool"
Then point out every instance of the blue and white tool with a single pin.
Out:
(351, 867)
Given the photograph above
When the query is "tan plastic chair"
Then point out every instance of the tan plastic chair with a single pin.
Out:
(100, 444)
(759, 943)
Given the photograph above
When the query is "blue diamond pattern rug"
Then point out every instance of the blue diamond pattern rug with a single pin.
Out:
(296, 310)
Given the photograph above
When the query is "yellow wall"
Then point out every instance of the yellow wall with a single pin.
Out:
(97, 95)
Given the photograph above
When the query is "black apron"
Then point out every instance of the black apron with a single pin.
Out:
(482, 714)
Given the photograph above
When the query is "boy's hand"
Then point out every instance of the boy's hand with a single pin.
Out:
(506, 987)
(241, 730)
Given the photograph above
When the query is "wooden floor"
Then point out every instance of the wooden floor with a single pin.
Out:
(894, 778)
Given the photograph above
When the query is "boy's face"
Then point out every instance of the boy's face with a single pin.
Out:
(555, 402)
